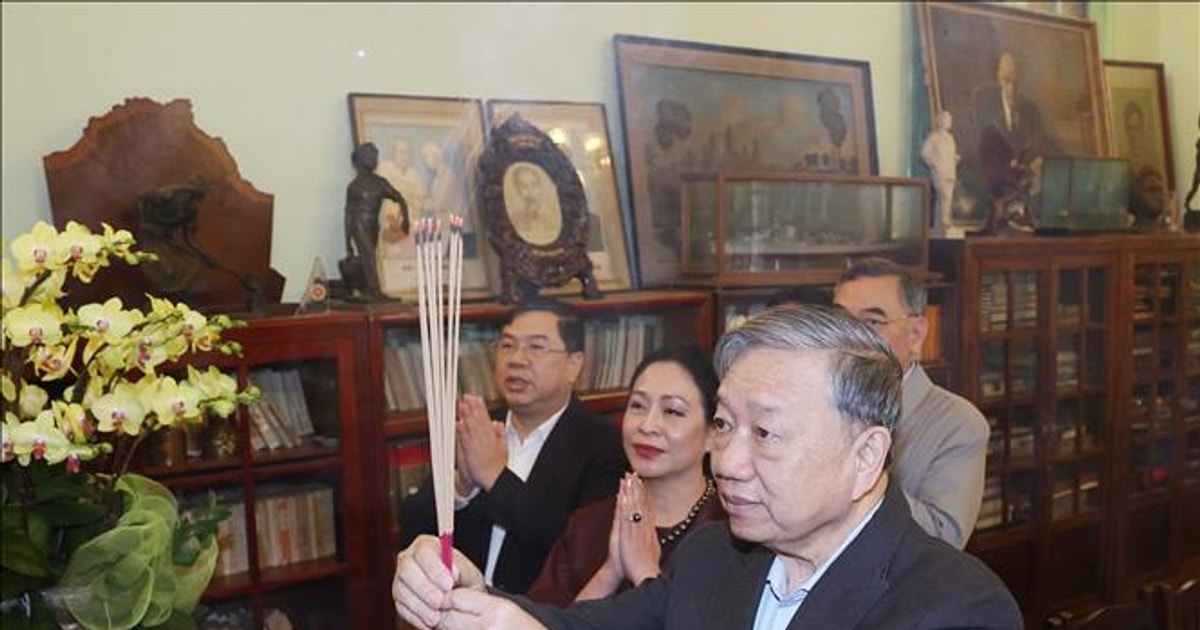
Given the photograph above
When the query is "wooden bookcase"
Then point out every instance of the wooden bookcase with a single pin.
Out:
(637, 322)
(1047, 331)
(313, 587)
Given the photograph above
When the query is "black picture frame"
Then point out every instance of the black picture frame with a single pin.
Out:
(534, 212)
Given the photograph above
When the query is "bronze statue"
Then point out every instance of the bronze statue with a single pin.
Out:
(364, 198)
(1191, 218)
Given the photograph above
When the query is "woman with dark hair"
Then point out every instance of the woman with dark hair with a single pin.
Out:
(613, 544)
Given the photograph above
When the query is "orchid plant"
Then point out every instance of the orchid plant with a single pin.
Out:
(83, 388)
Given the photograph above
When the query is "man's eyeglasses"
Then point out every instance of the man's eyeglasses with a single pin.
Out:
(534, 349)
(879, 323)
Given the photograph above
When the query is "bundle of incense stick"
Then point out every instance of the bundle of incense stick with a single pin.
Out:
(441, 312)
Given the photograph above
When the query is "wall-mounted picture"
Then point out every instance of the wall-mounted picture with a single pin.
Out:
(692, 108)
(1020, 86)
(427, 150)
(1141, 131)
(580, 130)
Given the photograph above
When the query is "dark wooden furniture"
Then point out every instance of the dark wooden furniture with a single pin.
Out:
(1178, 607)
(327, 352)
(1117, 617)
(1064, 344)
(621, 329)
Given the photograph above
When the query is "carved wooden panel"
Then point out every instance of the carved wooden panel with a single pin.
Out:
(149, 156)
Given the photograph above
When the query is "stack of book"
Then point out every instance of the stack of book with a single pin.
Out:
(279, 419)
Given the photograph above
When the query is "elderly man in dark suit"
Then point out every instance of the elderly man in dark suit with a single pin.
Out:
(520, 478)
(818, 536)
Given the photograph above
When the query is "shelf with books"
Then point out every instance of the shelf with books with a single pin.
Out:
(1036, 328)
(289, 468)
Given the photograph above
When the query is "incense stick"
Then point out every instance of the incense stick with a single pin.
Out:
(440, 315)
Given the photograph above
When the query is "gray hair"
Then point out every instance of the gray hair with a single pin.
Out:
(864, 375)
(913, 295)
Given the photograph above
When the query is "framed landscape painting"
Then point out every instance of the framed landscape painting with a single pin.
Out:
(699, 108)
(428, 148)
(1020, 85)
(580, 130)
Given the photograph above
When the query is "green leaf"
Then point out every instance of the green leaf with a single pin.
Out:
(20, 555)
(178, 621)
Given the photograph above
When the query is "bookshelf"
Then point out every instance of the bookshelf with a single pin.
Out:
(1075, 349)
(294, 482)
(620, 329)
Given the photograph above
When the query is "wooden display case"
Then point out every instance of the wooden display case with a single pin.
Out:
(756, 229)
(295, 541)
(1077, 351)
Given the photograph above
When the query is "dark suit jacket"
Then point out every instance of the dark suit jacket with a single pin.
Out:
(893, 575)
(999, 144)
(582, 461)
(583, 548)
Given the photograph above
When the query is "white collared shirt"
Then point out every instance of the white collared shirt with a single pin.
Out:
(521, 457)
(776, 608)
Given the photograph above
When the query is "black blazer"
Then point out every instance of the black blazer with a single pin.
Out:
(893, 575)
(582, 461)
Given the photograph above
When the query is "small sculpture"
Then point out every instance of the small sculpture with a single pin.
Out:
(940, 153)
(364, 198)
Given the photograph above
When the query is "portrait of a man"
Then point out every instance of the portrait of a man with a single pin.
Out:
(987, 64)
(531, 201)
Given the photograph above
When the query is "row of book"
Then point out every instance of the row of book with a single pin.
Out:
(294, 523)
(404, 372)
(613, 348)
(280, 418)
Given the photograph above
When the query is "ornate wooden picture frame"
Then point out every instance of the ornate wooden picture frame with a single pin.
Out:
(428, 148)
(580, 130)
(689, 107)
(534, 211)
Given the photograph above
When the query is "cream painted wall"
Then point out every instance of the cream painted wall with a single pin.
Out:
(271, 80)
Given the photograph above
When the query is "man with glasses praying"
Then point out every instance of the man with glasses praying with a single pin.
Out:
(519, 478)
(940, 442)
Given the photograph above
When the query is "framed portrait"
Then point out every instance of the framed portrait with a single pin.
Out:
(694, 108)
(987, 65)
(1141, 128)
(535, 212)
(580, 130)
(428, 148)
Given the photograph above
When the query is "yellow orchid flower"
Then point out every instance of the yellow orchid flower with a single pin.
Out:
(50, 287)
(36, 249)
(77, 246)
(34, 324)
(54, 362)
(109, 323)
(195, 328)
(33, 400)
(217, 390)
(8, 388)
(119, 241)
(39, 439)
(119, 411)
(73, 421)
(174, 402)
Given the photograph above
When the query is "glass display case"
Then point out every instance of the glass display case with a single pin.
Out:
(751, 229)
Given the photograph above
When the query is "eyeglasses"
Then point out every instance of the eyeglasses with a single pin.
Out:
(534, 349)
(879, 323)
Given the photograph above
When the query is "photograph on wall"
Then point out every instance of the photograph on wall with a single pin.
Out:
(690, 108)
(1141, 132)
(580, 130)
(427, 150)
(986, 65)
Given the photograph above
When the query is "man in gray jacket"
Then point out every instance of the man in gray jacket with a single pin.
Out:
(940, 443)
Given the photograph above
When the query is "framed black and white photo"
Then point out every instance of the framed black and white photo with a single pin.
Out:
(428, 148)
